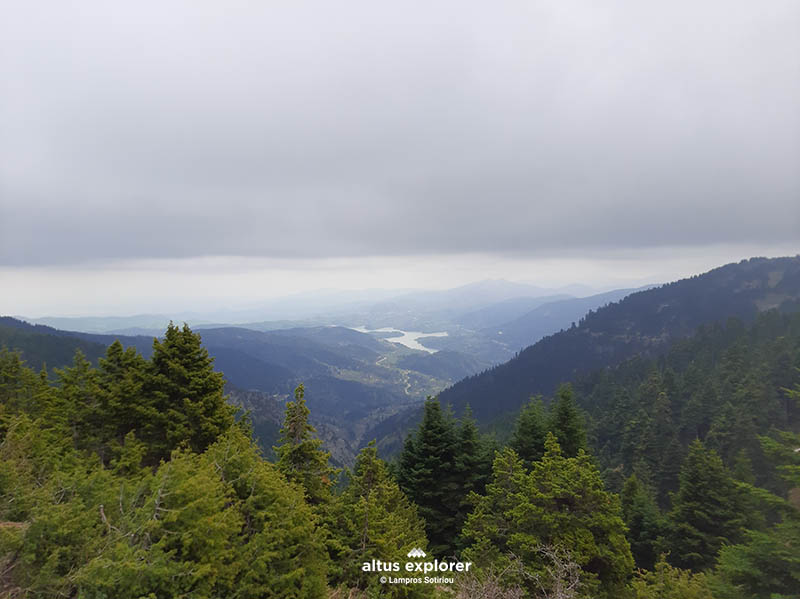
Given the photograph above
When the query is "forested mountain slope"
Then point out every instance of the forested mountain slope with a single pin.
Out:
(725, 385)
(43, 344)
(550, 317)
(39, 348)
(643, 323)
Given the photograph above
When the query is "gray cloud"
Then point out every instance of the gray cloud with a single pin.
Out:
(147, 130)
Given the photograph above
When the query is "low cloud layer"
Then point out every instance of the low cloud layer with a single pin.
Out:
(282, 130)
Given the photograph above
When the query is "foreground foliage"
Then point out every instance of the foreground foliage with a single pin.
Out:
(133, 479)
(561, 502)
(87, 511)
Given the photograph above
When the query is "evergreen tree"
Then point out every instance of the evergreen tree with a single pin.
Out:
(223, 523)
(186, 401)
(566, 422)
(374, 520)
(281, 548)
(21, 389)
(76, 406)
(426, 475)
(766, 565)
(489, 525)
(706, 513)
(663, 447)
(721, 437)
(742, 468)
(530, 432)
(666, 582)
(560, 503)
(669, 471)
(120, 393)
(645, 524)
(300, 455)
(472, 466)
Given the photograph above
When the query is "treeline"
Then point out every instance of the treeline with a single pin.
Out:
(137, 479)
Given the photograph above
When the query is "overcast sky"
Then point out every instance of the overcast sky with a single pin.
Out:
(168, 154)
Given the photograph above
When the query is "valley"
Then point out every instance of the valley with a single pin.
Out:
(359, 379)
(369, 382)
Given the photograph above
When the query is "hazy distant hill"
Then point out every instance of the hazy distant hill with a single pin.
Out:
(432, 310)
(549, 318)
(504, 311)
(475, 294)
(392, 307)
(107, 324)
(644, 322)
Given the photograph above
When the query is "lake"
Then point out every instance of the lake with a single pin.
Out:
(407, 338)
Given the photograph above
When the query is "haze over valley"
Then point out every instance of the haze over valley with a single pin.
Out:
(367, 382)
(356, 376)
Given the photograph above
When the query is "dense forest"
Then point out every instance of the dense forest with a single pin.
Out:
(675, 477)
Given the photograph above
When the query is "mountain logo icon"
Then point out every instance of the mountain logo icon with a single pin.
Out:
(416, 553)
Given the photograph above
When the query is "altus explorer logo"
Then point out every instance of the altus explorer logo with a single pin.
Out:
(418, 569)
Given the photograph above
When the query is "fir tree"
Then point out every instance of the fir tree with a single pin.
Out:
(645, 524)
(706, 513)
(223, 523)
(488, 527)
(76, 407)
(186, 402)
(121, 381)
(530, 432)
(425, 474)
(669, 470)
(21, 389)
(300, 455)
(566, 422)
(666, 582)
(742, 468)
(281, 547)
(721, 436)
(560, 503)
(766, 565)
(374, 520)
(472, 467)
